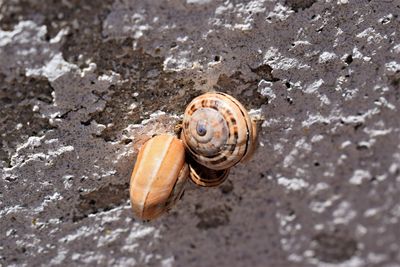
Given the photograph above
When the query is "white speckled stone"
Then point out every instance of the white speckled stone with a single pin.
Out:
(323, 188)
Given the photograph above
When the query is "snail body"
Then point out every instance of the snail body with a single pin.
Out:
(218, 131)
(158, 178)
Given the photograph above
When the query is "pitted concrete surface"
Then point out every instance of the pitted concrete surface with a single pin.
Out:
(83, 84)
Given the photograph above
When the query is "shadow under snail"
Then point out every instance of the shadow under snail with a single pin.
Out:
(217, 133)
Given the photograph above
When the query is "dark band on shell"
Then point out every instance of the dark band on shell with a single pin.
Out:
(227, 135)
(206, 177)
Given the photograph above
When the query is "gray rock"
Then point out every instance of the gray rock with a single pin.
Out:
(83, 84)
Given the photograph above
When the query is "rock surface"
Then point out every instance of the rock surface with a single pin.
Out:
(84, 83)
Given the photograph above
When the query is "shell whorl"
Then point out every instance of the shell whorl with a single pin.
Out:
(206, 177)
(217, 130)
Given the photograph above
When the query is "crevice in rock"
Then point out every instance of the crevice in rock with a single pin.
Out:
(249, 95)
(84, 22)
(349, 59)
(147, 88)
(265, 73)
(102, 199)
(296, 5)
(19, 117)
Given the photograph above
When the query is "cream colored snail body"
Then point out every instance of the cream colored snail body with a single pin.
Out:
(158, 177)
(218, 131)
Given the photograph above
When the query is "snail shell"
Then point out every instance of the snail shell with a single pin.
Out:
(217, 131)
(206, 177)
(158, 177)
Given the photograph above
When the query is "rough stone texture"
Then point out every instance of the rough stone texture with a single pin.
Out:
(82, 84)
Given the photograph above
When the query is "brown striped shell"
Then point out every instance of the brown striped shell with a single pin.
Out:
(217, 131)
(158, 177)
(206, 177)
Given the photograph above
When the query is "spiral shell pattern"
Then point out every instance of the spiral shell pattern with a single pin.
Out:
(206, 177)
(217, 131)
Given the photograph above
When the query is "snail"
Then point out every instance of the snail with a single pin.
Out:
(218, 132)
(158, 177)
(203, 176)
